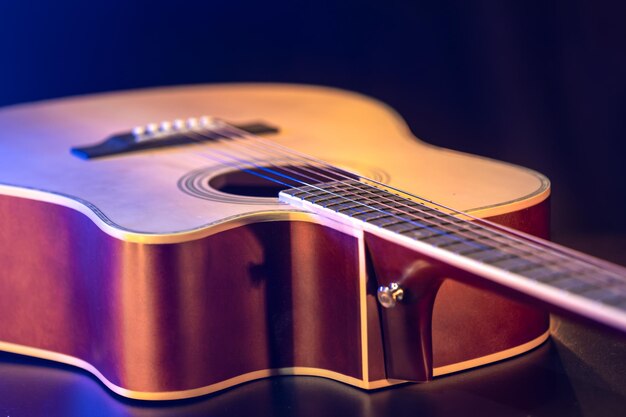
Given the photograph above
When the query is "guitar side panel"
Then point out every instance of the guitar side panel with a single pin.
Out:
(487, 323)
(178, 320)
(167, 321)
(339, 127)
(471, 326)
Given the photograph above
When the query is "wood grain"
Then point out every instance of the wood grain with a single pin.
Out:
(109, 266)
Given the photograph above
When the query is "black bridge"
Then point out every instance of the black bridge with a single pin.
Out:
(165, 135)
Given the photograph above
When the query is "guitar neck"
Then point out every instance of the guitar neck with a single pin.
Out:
(541, 270)
(555, 275)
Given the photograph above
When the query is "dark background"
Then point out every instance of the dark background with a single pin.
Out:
(537, 83)
(541, 84)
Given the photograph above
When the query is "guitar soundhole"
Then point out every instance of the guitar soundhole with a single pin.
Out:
(269, 181)
(259, 184)
(247, 184)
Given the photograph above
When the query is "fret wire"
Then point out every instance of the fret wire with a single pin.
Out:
(517, 240)
(501, 258)
(558, 277)
(520, 258)
(500, 248)
(491, 237)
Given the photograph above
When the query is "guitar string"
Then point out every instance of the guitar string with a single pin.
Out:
(435, 227)
(518, 237)
(520, 254)
(380, 199)
(488, 229)
(575, 271)
(455, 232)
(602, 282)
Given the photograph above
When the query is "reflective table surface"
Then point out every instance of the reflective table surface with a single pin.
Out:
(580, 371)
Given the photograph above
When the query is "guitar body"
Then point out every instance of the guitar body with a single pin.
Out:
(147, 270)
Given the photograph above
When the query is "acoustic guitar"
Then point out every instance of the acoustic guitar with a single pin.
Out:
(178, 241)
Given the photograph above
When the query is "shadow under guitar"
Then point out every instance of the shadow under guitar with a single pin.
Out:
(580, 371)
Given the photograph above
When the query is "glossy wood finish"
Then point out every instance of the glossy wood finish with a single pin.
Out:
(176, 317)
(136, 196)
(165, 295)
(157, 318)
(468, 322)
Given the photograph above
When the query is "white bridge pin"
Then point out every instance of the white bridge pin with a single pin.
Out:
(152, 128)
(178, 124)
(206, 121)
(192, 123)
(138, 131)
(165, 126)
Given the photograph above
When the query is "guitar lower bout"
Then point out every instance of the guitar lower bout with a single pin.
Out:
(167, 275)
(177, 320)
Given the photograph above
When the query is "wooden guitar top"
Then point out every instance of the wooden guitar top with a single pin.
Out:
(137, 194)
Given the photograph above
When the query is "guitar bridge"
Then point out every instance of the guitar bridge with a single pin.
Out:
(166, 134)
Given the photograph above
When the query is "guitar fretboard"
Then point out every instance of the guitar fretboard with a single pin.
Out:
(487, 245)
